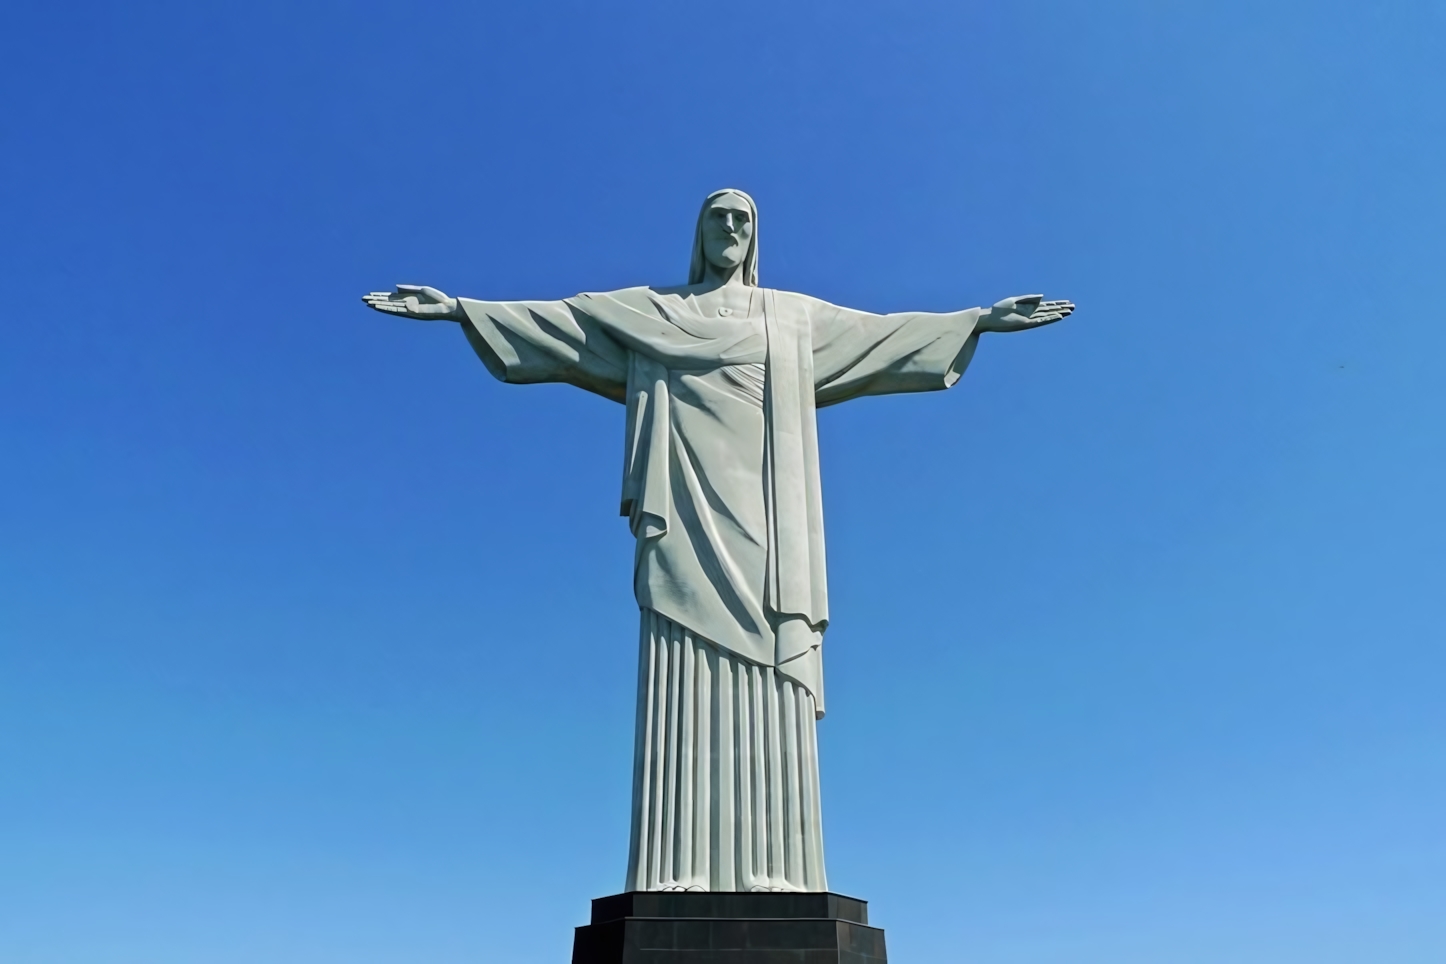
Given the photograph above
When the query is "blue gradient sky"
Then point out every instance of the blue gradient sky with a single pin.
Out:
(317, 644)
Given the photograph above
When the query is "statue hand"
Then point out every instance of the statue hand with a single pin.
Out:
(1025, 311)
(416, 301)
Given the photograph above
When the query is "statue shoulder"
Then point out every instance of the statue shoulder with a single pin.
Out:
(799, 303)
(680, 290)
(638, 291)
(637, 298)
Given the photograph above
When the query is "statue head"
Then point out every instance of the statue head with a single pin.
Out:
(727, 237)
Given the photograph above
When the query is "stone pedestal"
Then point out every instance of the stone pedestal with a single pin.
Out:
(728, 928)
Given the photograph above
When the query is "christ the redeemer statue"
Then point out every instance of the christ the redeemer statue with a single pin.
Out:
(720, 378)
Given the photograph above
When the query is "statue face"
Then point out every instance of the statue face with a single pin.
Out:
(727, 231)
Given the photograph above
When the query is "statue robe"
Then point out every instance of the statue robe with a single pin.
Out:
(721, 490)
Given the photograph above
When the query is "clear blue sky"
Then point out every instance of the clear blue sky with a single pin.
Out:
(317, 644)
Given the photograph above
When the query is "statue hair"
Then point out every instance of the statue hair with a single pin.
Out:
(699, 267)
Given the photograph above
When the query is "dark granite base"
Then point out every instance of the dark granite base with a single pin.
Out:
(728, 928)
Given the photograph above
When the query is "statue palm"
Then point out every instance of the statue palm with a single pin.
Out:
(1025, 311)
(415, 301)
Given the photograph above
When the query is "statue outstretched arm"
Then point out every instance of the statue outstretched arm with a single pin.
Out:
(859, 353)
(522, 341)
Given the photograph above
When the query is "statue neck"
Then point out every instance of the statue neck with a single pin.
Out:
(715, 277)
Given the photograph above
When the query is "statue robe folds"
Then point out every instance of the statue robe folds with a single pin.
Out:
(721, 489)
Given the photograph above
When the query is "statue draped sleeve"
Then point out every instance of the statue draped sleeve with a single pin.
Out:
(857, 353)
(546, 341)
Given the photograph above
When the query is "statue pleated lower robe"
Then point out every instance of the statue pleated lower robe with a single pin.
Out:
(725, 771)
(721, 490)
